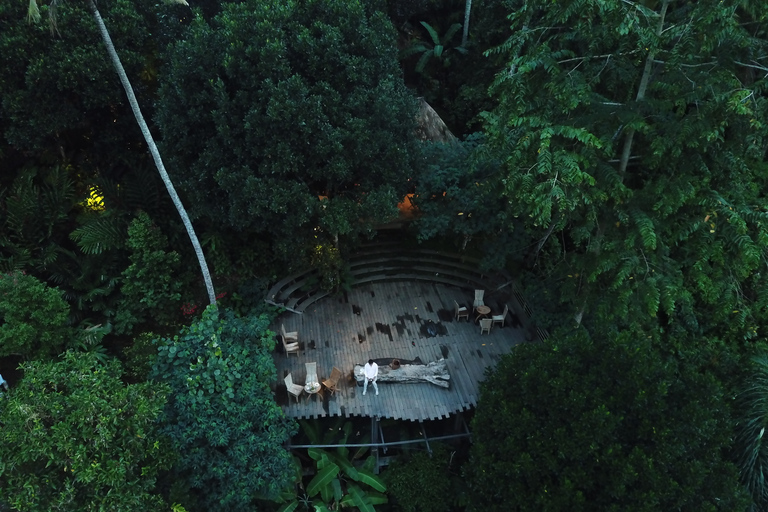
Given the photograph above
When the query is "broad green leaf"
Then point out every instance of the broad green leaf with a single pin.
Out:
(315, 453)
(432, 32)
(322, 478)
(360, 500)
(289, 507)
(377, 498)
(337, 492)
(371, 480)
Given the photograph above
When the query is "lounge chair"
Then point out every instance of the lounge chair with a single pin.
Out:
(479, 294)
(290, 341)
(332, 383)
(294, 389)
(461, 311)
(501, 319)
(311, 373)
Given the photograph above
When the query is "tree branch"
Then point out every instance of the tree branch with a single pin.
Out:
(627, 150)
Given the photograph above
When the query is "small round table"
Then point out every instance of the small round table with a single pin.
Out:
(482, 312)
(312, 388)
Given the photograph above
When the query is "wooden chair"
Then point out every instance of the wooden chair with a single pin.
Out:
(461, 311)
(485, 325)
(294, 389)
(501, 319)
(290, 341)
(479, 294)
(311, 373)
(332, 383)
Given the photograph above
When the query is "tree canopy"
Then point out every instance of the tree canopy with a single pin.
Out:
(33, 317)
(634, 139)
(289, 119)
(221, 415)
(58, 93)
(75, 438)
(620, 178)
(607, 423)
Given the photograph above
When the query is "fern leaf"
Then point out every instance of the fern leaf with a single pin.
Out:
(102, 232)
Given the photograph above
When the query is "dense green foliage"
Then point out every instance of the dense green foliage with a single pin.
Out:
(752, 422)
(221, 415)
(621, 170)
(338, 478)
(34, 212)
(74, 438)
(151, 285)
(58, 92)
(302, 135)
(33, 317)
(423, 482)
(634, 139)
(602, 424)
(458, 192)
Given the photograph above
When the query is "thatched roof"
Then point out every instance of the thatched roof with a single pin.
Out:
(430, 126)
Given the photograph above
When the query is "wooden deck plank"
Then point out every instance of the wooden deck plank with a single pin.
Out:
(329, 332)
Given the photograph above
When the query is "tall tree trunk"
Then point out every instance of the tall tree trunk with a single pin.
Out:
(628, 139)
(153, 149)
(465, 34)
(627, 149)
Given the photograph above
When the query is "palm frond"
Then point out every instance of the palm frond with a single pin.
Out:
(423, 62)
(33, 12)
(451, 32)
(432, 32)
(101, 232)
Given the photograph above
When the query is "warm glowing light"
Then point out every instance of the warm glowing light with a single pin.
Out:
(406, 206)
(95, 201)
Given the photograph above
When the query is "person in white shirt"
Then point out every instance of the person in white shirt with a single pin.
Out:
(3, 383)
(371, 371)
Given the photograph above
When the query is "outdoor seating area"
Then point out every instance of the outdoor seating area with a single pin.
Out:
(417, 322)
(385, 261)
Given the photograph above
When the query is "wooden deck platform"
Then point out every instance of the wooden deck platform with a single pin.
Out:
(386, 320)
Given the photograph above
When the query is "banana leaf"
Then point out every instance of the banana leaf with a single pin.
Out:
(289, 507)
(368, 478)
(377, 498)
(322, 478)
(315, 453)
(337, 492)
(326, 492)
(369, 463)
(359, 499)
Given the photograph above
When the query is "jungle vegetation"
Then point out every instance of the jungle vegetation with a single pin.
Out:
(611, 155)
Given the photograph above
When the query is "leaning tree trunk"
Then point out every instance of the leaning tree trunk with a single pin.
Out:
(465, 33)
(626, 151)
(153, 149)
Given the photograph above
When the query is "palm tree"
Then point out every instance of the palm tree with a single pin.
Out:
(465, 34)
(438, 48)
(751, 441)
(34, 14)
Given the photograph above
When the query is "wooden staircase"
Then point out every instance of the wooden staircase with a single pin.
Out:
(388, 261)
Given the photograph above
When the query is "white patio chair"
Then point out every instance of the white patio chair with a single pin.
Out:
(461, 311)
(501, 319)
(478, 299)
(294, 389)
(290, 341)
(311, 373)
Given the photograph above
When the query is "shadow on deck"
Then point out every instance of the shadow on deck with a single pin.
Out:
(402, 320)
